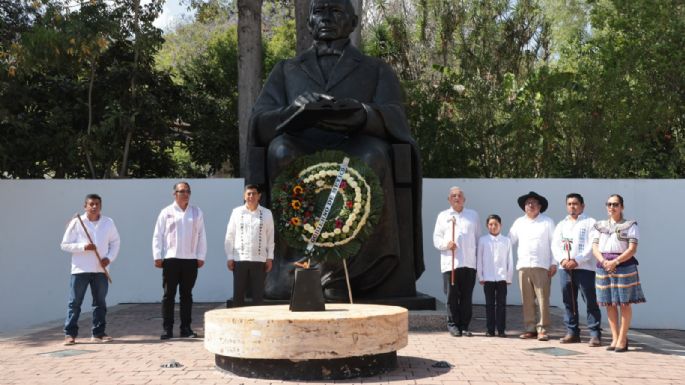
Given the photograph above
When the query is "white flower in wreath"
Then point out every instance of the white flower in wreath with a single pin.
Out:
(357, 206)
(352, 217)
(324, 235)
(354, 185)
(337, 231)
(346, 229)
(362, 222)
(358, 191)
(319, 183)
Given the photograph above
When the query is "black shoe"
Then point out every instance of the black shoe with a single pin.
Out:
(188, 333)
(489, 334)
(502, 335)
(621, 350)
(466, 333)
(166, 335)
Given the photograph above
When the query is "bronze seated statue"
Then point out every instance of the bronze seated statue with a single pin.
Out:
(334, 97)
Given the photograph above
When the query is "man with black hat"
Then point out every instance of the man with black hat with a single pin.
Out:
(532, 234)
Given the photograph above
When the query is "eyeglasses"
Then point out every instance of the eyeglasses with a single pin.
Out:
(182, 191)
(613, 204)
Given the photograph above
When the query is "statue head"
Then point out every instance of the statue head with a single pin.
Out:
(331, 19)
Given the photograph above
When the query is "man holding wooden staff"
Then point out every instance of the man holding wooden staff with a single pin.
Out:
(456, 234)
(572, 248)
(93, 241)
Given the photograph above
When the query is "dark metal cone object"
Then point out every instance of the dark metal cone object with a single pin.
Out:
(307, 294)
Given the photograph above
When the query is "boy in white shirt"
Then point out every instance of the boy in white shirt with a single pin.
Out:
(495, 272)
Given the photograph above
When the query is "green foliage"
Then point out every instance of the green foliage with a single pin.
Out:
(79, 87)
(280, 44)
(501, 88)
(211, 108)
(530, 89)
(203, 57)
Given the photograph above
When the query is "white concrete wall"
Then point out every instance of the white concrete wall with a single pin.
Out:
(34, 272)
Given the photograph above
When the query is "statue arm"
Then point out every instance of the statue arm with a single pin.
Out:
(385, 113)
(270, 109)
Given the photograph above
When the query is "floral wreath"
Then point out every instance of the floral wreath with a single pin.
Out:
(299, 196)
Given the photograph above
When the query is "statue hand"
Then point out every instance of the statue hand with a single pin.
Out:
(347, 123)
(310, 97)
(304, 99)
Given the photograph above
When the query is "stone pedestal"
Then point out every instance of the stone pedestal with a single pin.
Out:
(345, 341)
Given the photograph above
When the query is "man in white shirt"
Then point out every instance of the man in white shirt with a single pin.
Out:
(533, 234)
(456, 233)
(179, 247)
(249, 246)
(572, 248)
(86, 269)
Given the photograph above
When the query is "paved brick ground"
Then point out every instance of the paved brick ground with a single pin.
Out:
(136, 356)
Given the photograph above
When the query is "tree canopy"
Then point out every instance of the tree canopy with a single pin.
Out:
(503, 88)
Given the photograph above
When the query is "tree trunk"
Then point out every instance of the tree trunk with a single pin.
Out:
(132, 118)
(356, 36)
(91, 168)
(304, 38)
(249, 67)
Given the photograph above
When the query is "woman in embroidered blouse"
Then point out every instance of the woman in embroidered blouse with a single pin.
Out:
(614, 244)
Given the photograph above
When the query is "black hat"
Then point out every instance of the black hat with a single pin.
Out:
(523, 198)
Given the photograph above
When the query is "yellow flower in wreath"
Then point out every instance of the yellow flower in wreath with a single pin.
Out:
(298, 190)
(295, 221)
(295, 204)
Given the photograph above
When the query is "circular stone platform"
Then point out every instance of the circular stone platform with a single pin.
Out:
(345, 341)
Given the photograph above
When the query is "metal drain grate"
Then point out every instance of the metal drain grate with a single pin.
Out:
(66, 353)
(558, 352)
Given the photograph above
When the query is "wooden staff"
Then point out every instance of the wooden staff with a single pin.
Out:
(96, 249)
(347, 279)
(454, 221)
(567, 246)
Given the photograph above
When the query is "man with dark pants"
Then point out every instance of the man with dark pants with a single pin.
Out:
(456, 234)
(179, 246)
(249, 247)
(572, 248)
(86, 269)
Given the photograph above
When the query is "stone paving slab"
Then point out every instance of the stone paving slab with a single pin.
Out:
(136, 356)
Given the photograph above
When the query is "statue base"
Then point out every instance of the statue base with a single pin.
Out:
(309, 370)
(345, 341)
(419, 302)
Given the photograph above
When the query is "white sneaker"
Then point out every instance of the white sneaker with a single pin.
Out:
(102, 338)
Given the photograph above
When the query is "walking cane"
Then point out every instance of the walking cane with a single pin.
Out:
(454, 221)
(96, 250)
(567, 246)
